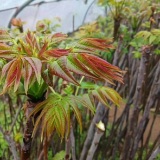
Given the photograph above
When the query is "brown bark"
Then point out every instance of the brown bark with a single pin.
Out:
(117, 22)
(101, 112)
(152, 98)
(27, 139)
(129, 140)
(97, 136)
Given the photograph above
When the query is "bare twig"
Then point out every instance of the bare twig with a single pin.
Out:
(12, 145)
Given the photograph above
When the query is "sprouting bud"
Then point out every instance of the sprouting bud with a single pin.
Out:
(17, 22)
(101, 126)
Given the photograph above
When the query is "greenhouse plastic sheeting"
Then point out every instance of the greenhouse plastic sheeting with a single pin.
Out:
(64, 10)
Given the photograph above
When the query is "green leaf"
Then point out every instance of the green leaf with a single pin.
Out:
(73, 103)
(68, 90)
(105, 94)
(18, 137)
(143, 34)
(37, 90)
(155, 32)
(152, 38)
(157, 51)
(87, 101)
(88, 85)
(136, 54)
(60, 155)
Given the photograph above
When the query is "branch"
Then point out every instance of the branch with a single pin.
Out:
(15, 119)
(73, 147)
(87, 12)
(12, 146)
(19, 10)
(155, 153)
(95, 142)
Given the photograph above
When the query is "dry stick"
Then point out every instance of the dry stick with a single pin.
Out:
(119, 136)
(155, 153)
(12, 145)
(73, 147)
(68, 148)
(152, 102)
(144, 119)
(157, 140)
(5, 117)
(101, 111)
(137, 101)
(97, 136)
(15, 119)
(41, 155)
(9, 101)
(124, 116)
(146, 145)
(45, 148)
(120, 121)
(149, 82)
(70, 143)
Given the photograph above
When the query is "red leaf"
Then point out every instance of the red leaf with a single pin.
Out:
(101, 68)
(43, 49)
(27, 75)
(57, 52)
(18, 75)
(36, 65)
(31, 40)
(76, 66)
(6, 68)
(11, 75)
(97, 43)
(58, 37)
(6, 51)
(59, 68)
(27, 49)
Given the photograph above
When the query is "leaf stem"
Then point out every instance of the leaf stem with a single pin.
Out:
(77, 88)
(52, 90)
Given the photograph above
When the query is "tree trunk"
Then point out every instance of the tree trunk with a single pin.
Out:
(27, 139)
